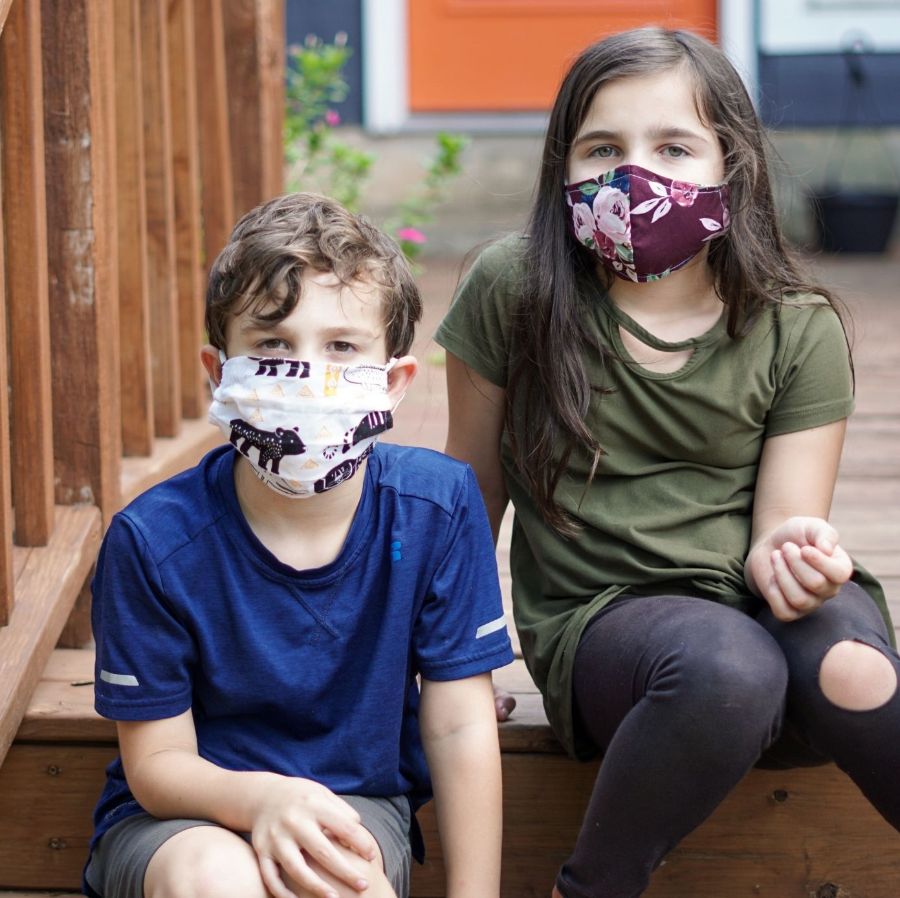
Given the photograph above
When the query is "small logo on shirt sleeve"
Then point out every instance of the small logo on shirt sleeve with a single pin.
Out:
(119, 679)
(492, 627)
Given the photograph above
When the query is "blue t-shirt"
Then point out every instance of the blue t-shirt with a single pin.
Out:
(303, 673)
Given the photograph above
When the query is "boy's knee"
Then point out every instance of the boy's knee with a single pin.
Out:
(854, 676)
(371, 871)
(204, 862)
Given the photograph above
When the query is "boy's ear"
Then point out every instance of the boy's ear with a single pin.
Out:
(209, 356)
(401, 375)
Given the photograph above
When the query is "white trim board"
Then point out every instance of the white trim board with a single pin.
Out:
(385, 65)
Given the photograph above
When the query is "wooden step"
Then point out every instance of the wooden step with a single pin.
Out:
(33, 894)
(40, 895)
(787, 834)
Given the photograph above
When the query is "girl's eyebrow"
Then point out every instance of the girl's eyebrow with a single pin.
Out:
(662, 133)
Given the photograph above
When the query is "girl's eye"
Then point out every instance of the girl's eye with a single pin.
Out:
(675, 152)
(604, 152)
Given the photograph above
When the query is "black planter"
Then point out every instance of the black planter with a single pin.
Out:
(854, 221)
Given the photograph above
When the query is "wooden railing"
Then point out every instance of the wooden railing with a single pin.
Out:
(132, 133)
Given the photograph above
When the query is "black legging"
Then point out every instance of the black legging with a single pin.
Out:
(683, 695)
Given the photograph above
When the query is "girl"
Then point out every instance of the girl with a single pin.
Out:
(650, 378)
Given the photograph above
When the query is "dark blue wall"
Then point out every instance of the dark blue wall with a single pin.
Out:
(324, 18)
(817, 90)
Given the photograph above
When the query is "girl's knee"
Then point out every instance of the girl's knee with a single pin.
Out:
(744, 668)
(204, 862)
(854, 676)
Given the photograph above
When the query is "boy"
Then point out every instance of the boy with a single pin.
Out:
(261, 619)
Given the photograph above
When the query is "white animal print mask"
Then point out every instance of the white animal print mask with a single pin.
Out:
(303, 426)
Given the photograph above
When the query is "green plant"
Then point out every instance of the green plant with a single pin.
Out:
(314, 83)
(317, 156)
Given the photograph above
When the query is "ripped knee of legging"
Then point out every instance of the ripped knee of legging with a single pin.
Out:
(856, 676)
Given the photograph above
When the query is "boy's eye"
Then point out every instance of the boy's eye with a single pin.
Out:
(273, 344)
(340, 346)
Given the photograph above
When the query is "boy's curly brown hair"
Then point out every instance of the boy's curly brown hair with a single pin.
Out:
(273, 245)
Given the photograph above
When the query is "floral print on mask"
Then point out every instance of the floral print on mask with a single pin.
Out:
(604, 219)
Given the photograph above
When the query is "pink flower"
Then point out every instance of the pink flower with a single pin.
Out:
(611, 215)
(413, 235)
(683, 193)
(583, 221)
(332, 118)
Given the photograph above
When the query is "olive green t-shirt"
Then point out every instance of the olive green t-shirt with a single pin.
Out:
(669, 511)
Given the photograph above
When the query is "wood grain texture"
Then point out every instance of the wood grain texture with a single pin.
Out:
(779, 834)
(166, 364)
(7, 594)
(82, 239)
(186, 187)
(77, 632)
(62, 707)
(135, 376)
(59, 785)
(169, 456)
(272, 61)
(25, 230)
(217, 196)
(254, 39)
(46, 588)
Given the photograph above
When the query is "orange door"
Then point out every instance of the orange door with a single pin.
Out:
(507, 55)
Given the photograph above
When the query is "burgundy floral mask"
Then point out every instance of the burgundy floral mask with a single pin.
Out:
(644, 226)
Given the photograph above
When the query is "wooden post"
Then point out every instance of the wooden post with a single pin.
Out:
(215, 151)
(272, 96)
(160, 220)
(7, 595)
(25, 229)
(256, 98)
(186, 182)
(81, 234)
(136, 382)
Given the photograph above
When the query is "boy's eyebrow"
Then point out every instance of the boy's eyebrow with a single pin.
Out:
(339, 331)
(348, 331)
(655, 134)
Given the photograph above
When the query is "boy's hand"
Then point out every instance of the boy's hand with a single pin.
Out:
(798, 567)
(300, 818)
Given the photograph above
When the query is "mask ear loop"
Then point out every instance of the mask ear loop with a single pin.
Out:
(392, 361)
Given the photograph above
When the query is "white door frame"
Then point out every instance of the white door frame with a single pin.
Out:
(386, 57)
(385, 65)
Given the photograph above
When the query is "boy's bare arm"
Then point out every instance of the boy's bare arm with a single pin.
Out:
(459, 732)
(283, 814)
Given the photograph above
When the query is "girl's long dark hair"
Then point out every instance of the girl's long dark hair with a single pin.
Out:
(548, 391)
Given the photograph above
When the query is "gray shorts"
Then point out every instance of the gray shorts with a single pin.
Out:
(119, 861)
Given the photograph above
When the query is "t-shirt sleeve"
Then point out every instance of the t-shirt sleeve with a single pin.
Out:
(144, 652)
(476, 328)
(461, 629)
(814, 378)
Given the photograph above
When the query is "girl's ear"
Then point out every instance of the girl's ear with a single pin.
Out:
(401, 375)
(209, 356)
